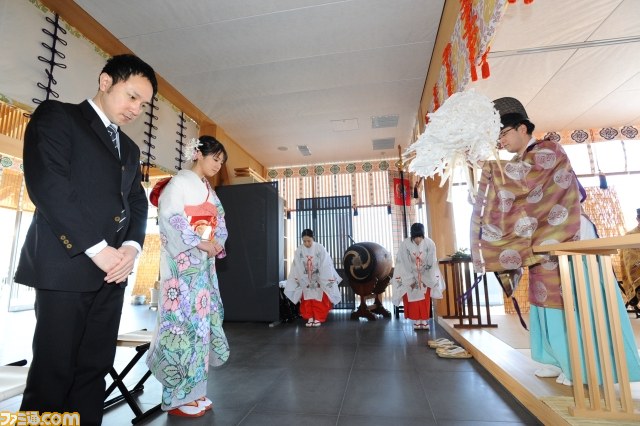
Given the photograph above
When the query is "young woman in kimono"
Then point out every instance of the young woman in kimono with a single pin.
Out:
(415, 273)
(189, 335)
(313, 281)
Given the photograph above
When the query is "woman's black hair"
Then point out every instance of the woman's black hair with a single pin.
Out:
(417, 230)
(211, 146)
(307, 233)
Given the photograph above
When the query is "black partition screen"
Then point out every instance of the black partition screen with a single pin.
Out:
(330, 218)
(254, 264)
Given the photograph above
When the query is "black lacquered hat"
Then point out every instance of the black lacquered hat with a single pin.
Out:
(511, 111)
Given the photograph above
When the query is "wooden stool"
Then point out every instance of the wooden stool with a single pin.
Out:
(13, 379)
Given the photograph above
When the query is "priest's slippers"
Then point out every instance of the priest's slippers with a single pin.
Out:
(453, 352)
(439, 343)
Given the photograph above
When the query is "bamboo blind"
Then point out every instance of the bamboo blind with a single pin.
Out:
(148, 266)
(13, 193)
(603, 207)
(10, 187)
(366, 189)
(13, 121)
(521, 295)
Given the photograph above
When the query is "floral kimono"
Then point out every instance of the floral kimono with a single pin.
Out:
(416, 271)
(312, 275)
(189, 335)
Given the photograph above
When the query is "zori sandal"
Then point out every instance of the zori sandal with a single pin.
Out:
(453, 352)
(439, 343)
(446, 348)
(191, 409)
(205, 403)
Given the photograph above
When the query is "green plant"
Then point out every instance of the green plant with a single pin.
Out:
(461, 254)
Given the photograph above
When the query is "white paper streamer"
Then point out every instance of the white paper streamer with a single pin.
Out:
(463, 132)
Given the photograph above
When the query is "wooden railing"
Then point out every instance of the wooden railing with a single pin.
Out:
(586, 269)
(459, 279)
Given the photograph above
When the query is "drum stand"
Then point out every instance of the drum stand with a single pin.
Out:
(368, 311)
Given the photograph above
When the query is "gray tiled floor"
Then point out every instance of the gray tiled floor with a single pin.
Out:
(343, 373)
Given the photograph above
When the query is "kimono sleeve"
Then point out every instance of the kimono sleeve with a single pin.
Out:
(220, 233)
(325, 265)
(295, 279)
(175, 231)
(403, 274)
(433, 277)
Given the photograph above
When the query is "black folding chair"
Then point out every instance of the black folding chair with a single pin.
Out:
(140, 340)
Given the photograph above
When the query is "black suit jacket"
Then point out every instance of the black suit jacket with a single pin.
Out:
(83, 193)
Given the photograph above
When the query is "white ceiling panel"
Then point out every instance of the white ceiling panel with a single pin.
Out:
(156, 16)
(550, 23)
(276, 73)
(569, 82)
(309, 74)
(588, 77)
(521, 76)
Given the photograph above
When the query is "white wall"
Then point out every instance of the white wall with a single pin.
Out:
(21, 24)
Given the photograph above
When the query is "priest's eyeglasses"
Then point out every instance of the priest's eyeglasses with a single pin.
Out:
(504, 132)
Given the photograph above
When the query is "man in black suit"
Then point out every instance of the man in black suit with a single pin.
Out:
(83, 175)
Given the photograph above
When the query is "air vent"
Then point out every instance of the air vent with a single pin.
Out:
(386, 143)
(383, 121)
(344, 125)
(304, 150)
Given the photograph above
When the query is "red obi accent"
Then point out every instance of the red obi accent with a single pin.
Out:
(157, 190)
(203, 218)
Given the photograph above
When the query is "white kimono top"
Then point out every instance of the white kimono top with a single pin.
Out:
(416, 269)
(312, 273)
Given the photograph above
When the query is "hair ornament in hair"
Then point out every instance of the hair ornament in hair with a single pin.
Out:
(190, 149)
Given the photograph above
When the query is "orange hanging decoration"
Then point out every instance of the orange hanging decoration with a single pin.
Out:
(485, 65)
(446, 59)
(470, 34)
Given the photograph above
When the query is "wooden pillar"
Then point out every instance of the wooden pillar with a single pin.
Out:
(211, 129)
(441, 224)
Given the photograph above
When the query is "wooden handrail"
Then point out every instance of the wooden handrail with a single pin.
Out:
(600, 246)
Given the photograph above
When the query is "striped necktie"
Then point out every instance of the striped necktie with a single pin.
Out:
(113, 132)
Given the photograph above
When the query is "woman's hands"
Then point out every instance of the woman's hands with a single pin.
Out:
(211, 247)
